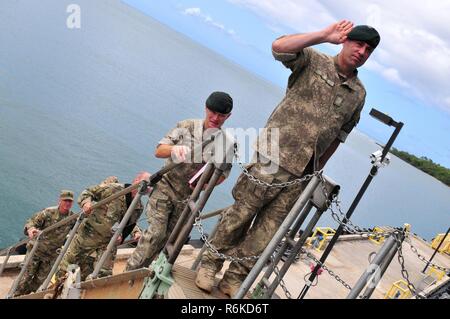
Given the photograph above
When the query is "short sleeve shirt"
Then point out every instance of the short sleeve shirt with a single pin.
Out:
(320, 105)
(191, 134)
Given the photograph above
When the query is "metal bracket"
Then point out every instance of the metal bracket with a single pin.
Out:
(71, 289)
(318, 198)
(162, 280)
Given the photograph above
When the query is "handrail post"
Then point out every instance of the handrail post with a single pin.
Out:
(142, 190)
(24, 268)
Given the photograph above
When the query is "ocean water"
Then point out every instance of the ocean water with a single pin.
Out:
(77, 105)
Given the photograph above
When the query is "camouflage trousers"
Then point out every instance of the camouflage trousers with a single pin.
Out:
(35, 274)
(249, 224)
(163, 213)
(85, 251)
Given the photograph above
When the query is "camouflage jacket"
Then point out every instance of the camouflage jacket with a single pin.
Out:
(320, 105)
(100, 222)
(49, 243)
(189, 133)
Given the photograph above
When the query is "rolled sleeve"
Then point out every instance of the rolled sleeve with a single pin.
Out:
(291, 60)
(347, 128)
(173, 137)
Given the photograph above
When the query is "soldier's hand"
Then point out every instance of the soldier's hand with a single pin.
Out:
(32, 232)
(119, 239)
(87, 208)
(179, 153)
(337, 32)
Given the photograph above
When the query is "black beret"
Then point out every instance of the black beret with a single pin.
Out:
(366, 34)
(220, 102)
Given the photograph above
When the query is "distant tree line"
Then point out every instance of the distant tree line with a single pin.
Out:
(426, 165)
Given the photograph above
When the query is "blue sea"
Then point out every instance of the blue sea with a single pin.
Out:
(77, 105)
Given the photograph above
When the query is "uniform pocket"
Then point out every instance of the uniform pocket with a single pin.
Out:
(161, 203)
(259, 190)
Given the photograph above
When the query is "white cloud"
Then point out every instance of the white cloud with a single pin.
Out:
(197, 12)
(193, 12)
(415, 36)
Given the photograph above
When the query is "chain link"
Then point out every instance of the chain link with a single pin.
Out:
(341, 218)
(404, 271)
(270, 185)
(338, 216)
(330, 272)
(212, 249)
(276, 270)
(422, 258)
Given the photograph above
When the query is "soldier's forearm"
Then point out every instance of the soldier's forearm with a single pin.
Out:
(296, 42)
(36, 221)
(163, 151)
(85, 196)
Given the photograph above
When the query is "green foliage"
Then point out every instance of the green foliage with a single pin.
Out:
(426, 165)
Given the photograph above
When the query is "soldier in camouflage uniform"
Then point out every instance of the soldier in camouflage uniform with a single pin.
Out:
(323, 103)
(167, 200)
(46, 253)
(131, 228)
(96, 231)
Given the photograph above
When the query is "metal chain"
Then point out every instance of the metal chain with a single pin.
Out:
(342, 220)
(214, 250)
(348, 225)
(256, 180)
(422, 258)
(404, 272)
(330, 272)
(276, 270)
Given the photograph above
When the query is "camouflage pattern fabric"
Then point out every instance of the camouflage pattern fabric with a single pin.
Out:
(166, 200)
(265, 207)
(46, 253)
(320, 105)
(95, 231)
(163, 212)
(189, 133)
(35, 274)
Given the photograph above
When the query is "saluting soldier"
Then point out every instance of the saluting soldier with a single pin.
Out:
(323, 103)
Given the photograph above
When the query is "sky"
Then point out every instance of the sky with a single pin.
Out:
(407, 76)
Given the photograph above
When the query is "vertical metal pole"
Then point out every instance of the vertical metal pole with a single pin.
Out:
(194, 196)
(113, 241)
(312, 223)
(383, 267)
(281, 232)
(291, 235)
(437, 249)
(181, 239)
(55, 266)
(350, 211)
(8, 254)
(373, 267)
(24, 268)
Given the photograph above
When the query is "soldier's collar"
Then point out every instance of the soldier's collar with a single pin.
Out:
(350, 82)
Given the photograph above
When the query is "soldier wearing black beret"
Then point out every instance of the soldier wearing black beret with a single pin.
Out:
(323, 103)
(167, 200)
